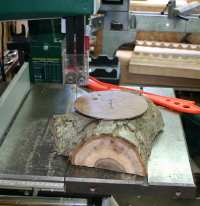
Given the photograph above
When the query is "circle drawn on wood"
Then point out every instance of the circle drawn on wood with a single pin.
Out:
(111, 105)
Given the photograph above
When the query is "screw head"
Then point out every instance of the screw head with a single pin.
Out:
(92, 189)
(178, 194)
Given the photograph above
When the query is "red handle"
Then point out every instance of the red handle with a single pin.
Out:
(175, 104)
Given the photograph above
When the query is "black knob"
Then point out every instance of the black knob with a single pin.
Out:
(117, 26)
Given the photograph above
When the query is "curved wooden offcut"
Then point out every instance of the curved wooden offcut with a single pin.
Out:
(111, 105)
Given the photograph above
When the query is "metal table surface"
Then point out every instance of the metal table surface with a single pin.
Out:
(27, 157)
(169, 161)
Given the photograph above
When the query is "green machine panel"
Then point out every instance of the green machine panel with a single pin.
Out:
(34, 9)
(45, 30)
(46, 62)
(46, 46)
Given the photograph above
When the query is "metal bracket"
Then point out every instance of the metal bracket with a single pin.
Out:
(96, 23)
(187, 10)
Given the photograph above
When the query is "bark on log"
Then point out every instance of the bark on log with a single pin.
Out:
(123, 145)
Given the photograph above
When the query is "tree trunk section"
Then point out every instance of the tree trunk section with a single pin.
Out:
(122, 145)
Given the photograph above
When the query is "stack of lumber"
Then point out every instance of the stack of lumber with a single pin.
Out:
(162, 64)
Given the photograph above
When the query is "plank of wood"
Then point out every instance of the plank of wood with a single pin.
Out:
(152, 5)
(169, 37)
(160, 36)
(194, 38)
(171, 45)
(151, 80)
(122, 146)
(160, 81)
(170, 67)
(173, 60)
(111, 105)
(166, 51)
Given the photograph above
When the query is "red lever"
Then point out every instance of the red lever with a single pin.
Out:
(175, 104)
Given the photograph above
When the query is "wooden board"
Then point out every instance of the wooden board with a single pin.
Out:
(167, 51)
(169, 37)
(169, 45)
(152, 5)
(170, 67)
(177, 83)
(111, 105)
(171, 60)
(162, 36)
(151, 80)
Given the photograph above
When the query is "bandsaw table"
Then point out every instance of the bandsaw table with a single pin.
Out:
(28, 161)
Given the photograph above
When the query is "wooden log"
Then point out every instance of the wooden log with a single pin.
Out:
(122, 145)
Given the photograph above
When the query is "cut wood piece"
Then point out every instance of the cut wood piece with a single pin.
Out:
(160, 66)
(122, 145)
(151, 80)
(167, 51)
(169, 45)
(111, 105)
(152, 5)
(173, 60)
(169, 37)
(160, 36)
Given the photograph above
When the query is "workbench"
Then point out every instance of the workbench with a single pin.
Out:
(28, 161)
